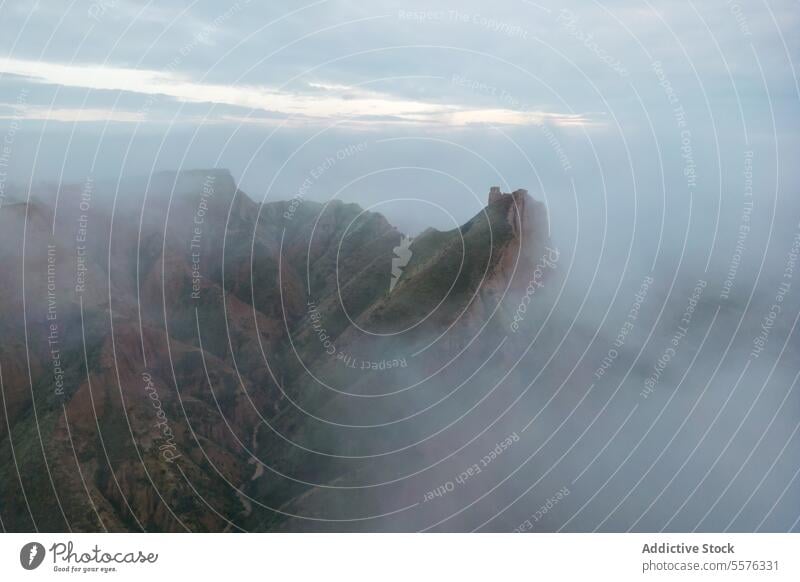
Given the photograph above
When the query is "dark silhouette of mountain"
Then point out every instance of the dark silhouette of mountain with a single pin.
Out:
(180, 357)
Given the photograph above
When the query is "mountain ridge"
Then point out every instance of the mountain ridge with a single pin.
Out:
(208, 303)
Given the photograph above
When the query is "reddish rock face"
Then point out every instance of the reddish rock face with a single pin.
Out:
(190, 347)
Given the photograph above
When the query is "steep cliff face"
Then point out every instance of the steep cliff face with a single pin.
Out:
(178, 331)
(527, 219)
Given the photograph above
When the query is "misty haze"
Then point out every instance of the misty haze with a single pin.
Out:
(373, 267)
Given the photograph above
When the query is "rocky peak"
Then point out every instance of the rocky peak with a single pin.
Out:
(496, 195)
(523, 213)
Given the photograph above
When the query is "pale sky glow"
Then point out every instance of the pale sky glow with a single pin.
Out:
(73, 114)
(330, 102)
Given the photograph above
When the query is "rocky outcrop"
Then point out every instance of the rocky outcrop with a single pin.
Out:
(219, 320)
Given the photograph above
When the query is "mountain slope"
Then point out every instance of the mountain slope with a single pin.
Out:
(175, 330)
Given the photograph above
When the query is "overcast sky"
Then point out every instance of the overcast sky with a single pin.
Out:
(577, 101)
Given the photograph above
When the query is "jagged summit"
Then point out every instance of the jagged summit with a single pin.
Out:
(496, 195)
